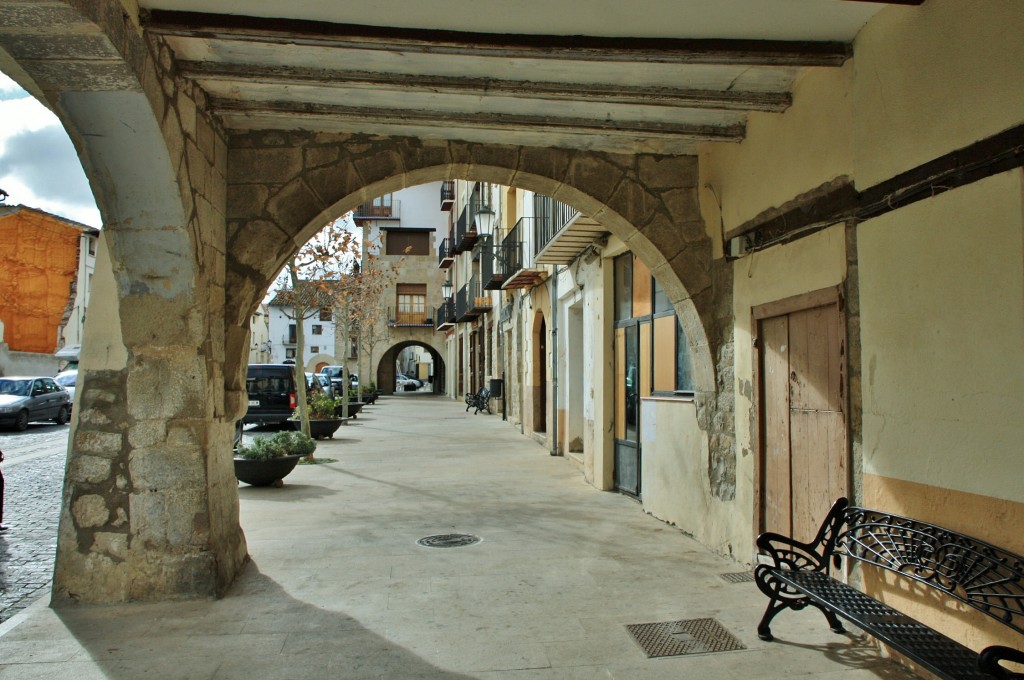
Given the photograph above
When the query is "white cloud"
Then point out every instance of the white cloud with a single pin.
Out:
(38, 163)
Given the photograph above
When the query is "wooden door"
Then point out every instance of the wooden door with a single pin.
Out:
(804, 448)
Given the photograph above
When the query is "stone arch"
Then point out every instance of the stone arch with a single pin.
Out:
(384, 373)
(148, 510)
(283, 187)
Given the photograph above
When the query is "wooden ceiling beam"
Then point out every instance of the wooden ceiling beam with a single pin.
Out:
(603, 93)
(368, 117)
(262, 30)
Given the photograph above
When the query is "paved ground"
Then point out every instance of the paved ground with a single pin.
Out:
(34, 473)
(339, 588)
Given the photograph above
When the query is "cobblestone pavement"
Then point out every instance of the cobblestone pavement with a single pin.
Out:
(34, 472)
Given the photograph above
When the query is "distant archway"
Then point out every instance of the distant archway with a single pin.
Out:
(385, 371)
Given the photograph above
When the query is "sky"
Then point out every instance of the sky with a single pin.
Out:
(38, 164)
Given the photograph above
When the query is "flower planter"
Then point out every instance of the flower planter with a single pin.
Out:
(354, 407)
(320, 428)
(264, 472)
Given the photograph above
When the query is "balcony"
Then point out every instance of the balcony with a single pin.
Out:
(447, 195)
(562, 234)
(288, 340)
(445, 254)
(406, 319)
(515, 270)
(471, 302)
(491, 274)
(465, 232)
(446, 315)
(383, 208)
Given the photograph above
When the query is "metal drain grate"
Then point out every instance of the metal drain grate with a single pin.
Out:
(739, 577)
(448, 541)
(675, 638)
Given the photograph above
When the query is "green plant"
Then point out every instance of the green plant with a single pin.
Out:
(322, 406)
(285, 443)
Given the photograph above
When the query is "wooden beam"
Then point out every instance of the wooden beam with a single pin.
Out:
(838, 201)
(476, 87)
(481, 121)
(285, 32)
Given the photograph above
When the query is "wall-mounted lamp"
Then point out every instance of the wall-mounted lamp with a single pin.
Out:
(446, 288)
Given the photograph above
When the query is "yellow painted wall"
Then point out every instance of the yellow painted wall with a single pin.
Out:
(783, 155)
(942, 300)
(935, 78)
(38, 262)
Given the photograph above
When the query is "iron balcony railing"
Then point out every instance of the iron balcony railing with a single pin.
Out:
(446, 314)
(445, 254)
(490, 267)
(546, 226)
(464, 238)
(383, 208)
(447, 194)
(424, 318)
(510, 253)
(462, 303)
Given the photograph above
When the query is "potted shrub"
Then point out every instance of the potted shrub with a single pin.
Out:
(269, 459)
(323, 419)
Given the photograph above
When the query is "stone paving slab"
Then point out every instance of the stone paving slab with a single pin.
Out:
(338, 587)
(34, 475)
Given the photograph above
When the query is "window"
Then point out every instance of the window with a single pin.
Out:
(318, 329)
(292, 333)
(314, 349)
(664, 361)
(407, 243)
(353, 347)
(289, 353)
(412, 303)
(325, 314)
(624, 287)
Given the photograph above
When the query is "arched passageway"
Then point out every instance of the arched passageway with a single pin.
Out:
(435, 376)
(198, 221)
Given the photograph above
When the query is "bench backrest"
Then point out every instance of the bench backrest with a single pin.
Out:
(972, 571)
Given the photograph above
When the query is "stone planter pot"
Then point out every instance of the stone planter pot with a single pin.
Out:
(264, 472)
(354, 407)
(321, 427)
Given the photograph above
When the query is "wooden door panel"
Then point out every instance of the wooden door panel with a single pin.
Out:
(815, 354)
(775, 372)
(818, 447)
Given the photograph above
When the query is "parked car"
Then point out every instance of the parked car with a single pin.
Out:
(68, 379)
(24, 399)
(334, 374)
(272, 393)
(404, 382)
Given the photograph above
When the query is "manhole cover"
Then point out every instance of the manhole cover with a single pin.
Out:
(692, 636)
(448, 540)
(739, 577)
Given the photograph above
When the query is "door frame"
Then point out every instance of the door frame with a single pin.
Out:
(823, 297)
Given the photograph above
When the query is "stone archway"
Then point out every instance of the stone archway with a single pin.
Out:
(150, 503)
(194, 238)
(385, 371)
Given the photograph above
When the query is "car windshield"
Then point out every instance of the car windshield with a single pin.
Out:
(22, 388)
(66, 380)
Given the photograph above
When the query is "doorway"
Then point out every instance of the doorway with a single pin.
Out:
(804, 448)
(540, 376)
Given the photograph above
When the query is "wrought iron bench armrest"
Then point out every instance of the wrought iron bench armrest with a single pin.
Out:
(787, 552)
(990, 658)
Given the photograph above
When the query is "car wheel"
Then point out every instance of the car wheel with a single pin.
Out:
(63, 415)
(21, 421)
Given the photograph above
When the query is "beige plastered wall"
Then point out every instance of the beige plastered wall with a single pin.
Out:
(941, 281)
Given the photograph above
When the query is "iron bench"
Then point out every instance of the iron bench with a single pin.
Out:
(987, 578)
(481, 401)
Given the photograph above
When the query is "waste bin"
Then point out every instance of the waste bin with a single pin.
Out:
(495, 387)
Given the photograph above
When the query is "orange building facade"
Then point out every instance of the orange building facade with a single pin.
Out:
(38, 268)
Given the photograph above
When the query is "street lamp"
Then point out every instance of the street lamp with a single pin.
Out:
(446, 289)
